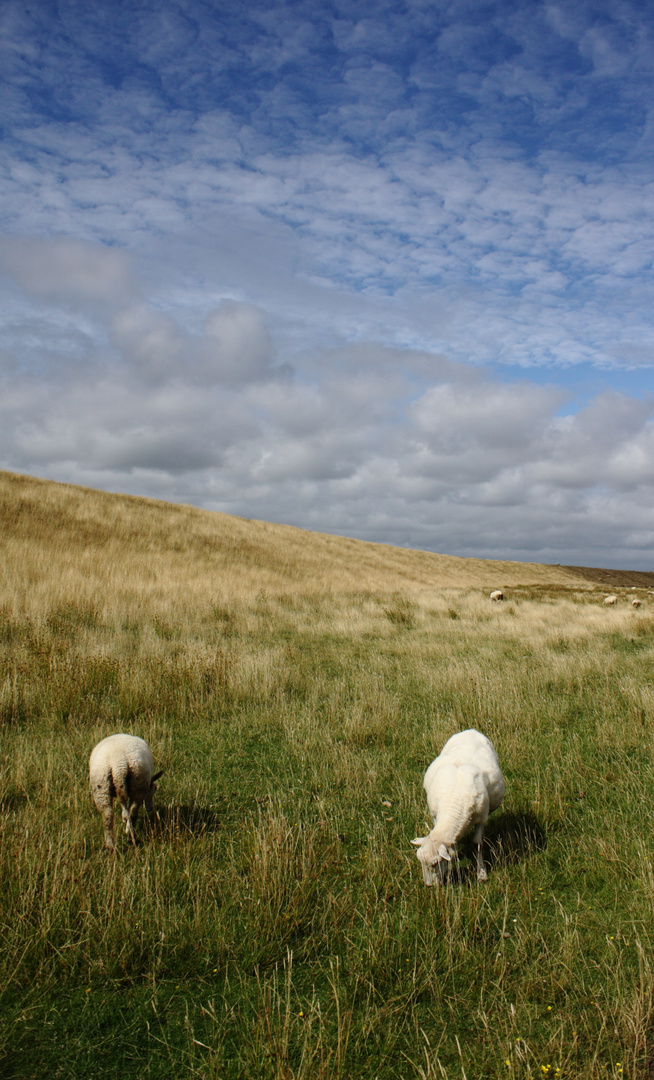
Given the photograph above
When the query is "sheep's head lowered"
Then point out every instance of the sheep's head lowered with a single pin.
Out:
(434, 857)
(153, 788)
(130, 812)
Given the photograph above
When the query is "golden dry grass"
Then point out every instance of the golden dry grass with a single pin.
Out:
(63, 543)
(273, 922)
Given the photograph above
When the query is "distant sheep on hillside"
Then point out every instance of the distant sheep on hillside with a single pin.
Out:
(609, 601)
(464, 784)
(497, 594)
(635, 602)
(120, 767)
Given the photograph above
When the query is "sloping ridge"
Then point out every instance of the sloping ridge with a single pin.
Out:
(611, 579)
(84, 526)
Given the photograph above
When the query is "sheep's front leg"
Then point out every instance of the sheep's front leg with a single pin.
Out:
(443, 871)
(477, 840)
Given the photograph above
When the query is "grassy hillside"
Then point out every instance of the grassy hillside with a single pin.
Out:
(272, 922)
(165, 553)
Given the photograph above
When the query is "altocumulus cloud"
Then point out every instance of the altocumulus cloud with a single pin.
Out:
(378, 269)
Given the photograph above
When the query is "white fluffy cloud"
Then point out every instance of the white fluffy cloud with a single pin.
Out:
(64, 269)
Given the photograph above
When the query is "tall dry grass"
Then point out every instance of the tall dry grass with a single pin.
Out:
(272, 921)
(62, 542)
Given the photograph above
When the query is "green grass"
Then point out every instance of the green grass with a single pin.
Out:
(273, 922)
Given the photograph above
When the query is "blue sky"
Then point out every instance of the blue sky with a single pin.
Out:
(376, 269)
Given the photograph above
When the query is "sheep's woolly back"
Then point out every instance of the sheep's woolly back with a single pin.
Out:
(120, 767)
(464, 784)
(120, 755)
(458, 798)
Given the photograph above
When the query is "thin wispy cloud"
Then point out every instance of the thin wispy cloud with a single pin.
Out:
(340, 266)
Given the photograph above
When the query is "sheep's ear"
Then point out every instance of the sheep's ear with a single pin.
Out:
(419, 841)
(443, 853)
(156, 776)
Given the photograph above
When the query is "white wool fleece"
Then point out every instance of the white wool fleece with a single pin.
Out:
(121, 767)
(464, 784)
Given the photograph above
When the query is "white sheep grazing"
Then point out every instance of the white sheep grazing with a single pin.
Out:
(464, 784)
(635, 602)
(120, 767)
(609, 601)
(497, 594)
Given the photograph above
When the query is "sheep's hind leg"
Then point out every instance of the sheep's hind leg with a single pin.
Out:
(129, 817)
(477, 840)
(121, 784)
(108, 822)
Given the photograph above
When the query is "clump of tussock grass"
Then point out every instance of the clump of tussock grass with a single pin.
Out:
(401, 612)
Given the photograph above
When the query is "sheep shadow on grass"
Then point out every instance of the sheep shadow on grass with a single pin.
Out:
(512, 837)
(509, 838)
(173, 822)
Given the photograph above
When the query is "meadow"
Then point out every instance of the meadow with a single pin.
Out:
(272, 922)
